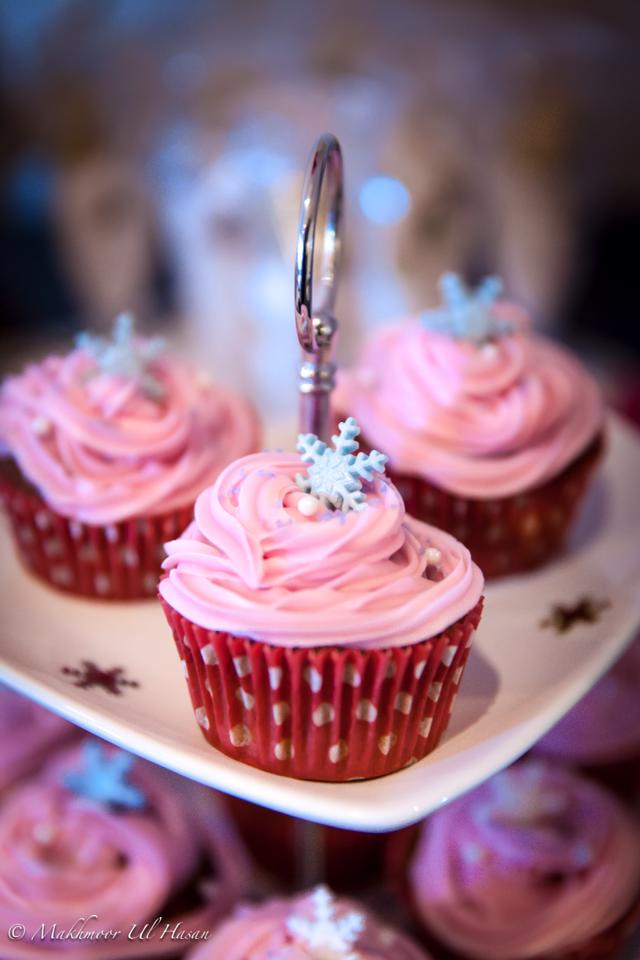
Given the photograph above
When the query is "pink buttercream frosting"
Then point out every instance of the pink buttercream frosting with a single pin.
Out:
(603, 727)
(64, 858)
(264, 933)
(534, 862)
(254, 565)
(479, 420)
(101, 449)
(27, 732)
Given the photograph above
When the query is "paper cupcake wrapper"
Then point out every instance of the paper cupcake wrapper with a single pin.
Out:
(118, 561)
(508, 534)
(603, 946)
(330, 714)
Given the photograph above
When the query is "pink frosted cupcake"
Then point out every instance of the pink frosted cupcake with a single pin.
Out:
(103, 842)
(602, 732)
(323, 633)
(535, 863)
(28, 733)
(492, 432)
(105, 450)
(309, 927)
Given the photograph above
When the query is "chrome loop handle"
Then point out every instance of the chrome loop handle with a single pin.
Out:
(315, 323)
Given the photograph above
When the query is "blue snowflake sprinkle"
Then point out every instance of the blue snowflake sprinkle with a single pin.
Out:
(336, 476)
(103, 778)
(125, 355)
(467, 314)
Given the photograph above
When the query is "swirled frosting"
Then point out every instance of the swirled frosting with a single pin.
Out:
(254, 565)
(27, 732)
(100, 448)
(604, 726)
(534, 862)
(479, 420)
(63, 858)
(263, 932)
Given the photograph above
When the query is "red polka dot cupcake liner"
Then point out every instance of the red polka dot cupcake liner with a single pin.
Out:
(509, 534)
(331, 714)
(119, 561)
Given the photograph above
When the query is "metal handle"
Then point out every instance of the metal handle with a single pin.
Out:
(315, 324)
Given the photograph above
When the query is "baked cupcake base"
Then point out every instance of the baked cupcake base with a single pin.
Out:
(507, 534)
(118, 561)
(330, 714)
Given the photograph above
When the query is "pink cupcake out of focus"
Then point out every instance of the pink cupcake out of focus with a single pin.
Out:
(604, 727)
(102, 836)
(323, 633)
(536, 863)
(313, 926)
(28, 733)
(104, 451)
(492, 431)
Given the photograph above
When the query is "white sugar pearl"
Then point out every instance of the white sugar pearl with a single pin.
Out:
(308, 506)
(41, 426)
(433, 555)
(489, 351)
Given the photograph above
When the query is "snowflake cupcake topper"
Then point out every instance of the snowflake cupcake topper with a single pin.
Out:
(467, 314)
(523, 795)
(102, 778)
(328, 936)
(125, 355)
(335, 476)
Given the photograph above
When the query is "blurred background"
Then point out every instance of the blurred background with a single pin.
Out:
(152, 156)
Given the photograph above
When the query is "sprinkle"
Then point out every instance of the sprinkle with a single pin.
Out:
(125, 355)
(336, 475)
(103, 778)
(433, 555)
(41, 426)
(467, 314)
(325, 933)
(308, 505)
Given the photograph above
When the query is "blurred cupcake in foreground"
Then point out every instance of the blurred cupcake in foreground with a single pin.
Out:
(118, 842)
(313, 926)
(602, 732)
(323, 633)
(492, 432)
(104, 451)
(536, 863)
(28, 733)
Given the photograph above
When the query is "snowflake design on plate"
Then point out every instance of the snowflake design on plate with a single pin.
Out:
(336, 476)
(467, 314)
(328, 936)
(125, 355)
(103, 778)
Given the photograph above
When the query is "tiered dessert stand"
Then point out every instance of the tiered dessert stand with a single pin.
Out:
(544, 640)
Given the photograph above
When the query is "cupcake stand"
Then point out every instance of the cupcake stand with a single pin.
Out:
(545, 638)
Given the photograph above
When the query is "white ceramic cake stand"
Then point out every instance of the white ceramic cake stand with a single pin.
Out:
(520, 679)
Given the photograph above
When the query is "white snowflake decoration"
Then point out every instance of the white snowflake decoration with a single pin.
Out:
(328, 936)
(125, 355)
(467, 314)
(335, 476)
(523, 795)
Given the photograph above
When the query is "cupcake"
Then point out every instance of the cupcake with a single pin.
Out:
(323, 633)
(103, 453)
(28, 733)
(536, 863)
(102, 845)
(602, 732)
(314, 926)
(492, 432)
